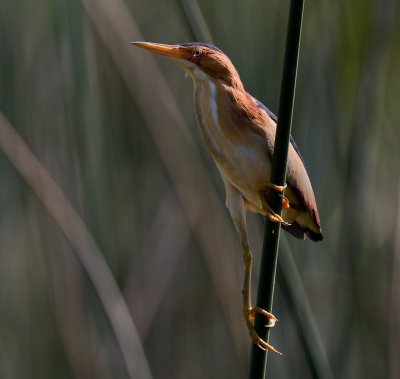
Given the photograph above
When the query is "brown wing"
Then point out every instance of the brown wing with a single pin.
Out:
(299, 186)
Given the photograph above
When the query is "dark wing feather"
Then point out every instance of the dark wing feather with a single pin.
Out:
(308, 201)
(274, 118)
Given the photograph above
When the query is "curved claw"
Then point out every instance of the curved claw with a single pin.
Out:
(249, 316)
(261, 347)
(266, 346)
(271, 318)
(274, 217)
(269, 212)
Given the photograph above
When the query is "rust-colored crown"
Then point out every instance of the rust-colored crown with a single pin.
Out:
(211, 60)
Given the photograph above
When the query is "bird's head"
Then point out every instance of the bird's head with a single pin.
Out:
(202, 61)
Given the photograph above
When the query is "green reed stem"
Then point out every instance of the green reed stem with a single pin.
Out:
(278, 176)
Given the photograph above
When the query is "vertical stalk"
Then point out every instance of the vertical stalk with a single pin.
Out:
(278, 176)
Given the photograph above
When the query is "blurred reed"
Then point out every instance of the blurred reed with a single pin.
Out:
(77, 234)
(116, 132)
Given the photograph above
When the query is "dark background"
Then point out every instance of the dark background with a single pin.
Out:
(114, 127)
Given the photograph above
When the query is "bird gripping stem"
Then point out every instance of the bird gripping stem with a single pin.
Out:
(278, 177)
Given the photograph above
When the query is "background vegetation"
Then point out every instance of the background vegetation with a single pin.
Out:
(114, 127)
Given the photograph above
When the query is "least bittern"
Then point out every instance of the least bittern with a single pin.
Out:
(239, 132)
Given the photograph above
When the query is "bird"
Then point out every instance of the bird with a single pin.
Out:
(239, 133)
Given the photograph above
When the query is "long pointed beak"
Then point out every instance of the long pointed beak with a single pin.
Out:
(172, 51)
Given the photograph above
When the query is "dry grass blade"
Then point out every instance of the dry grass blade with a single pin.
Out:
(174, 145)
(84, 246)
(168, 237)
(195, 20)
(297, 300)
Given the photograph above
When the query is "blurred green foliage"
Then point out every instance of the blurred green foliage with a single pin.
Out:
(115, 129)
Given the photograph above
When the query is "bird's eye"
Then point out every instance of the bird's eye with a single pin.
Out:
(197, 53)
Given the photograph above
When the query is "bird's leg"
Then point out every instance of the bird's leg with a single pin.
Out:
(249, 312)
(273, 216)
(235, 204)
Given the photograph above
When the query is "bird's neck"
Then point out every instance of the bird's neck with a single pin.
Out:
(221, 110)
(232, 81)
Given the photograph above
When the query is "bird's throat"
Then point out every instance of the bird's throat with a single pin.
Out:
(207, 113)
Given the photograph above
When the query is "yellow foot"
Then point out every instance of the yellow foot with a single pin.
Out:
(276, 187)
(285, 202)
(249, 315)
(272, 216)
